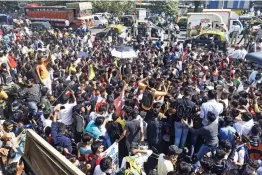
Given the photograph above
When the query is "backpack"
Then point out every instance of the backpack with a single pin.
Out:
(148, 99)
(254, 150)
(133, 168)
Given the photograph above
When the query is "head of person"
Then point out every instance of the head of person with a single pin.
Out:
(206, 165)
(99, 121)
(212, 94)
(246, 116)
(102, 109)
(152, 82)
(44, 91)
(62, 128)
(173, 153)
(220, 154)
(8, 126)
(187, 92)
(106, 165)
(184, 168)
(133, 148)
(87, 138)
(226, 146)
(97, 147)
(228, 121)
(134, 113)
(256, 130)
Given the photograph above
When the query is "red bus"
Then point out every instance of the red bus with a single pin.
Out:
(76, 13)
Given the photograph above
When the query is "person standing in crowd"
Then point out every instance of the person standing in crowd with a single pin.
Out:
(185, 109)
(166, 162)
(133, 163)
(235, 34)
(211, 106)
(43, 73)
(169, 96)
(209, 132)
(134, 28)
(189, 29)
(32, 92)
(59, 138)
(170, 29)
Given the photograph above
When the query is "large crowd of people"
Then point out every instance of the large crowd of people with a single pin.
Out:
(172, 110)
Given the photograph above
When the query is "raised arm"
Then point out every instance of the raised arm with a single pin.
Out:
(141, 83)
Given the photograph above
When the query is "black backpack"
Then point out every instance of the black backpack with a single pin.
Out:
(148, 98)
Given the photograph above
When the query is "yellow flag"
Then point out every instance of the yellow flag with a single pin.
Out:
(91, 74)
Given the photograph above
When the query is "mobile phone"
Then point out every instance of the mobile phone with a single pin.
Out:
(62, 107)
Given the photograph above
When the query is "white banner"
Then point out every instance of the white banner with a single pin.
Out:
(112, 152)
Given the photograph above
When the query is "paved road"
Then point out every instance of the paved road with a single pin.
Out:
(181, 36)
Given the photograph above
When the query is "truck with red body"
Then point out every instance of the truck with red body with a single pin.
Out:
(75, 14)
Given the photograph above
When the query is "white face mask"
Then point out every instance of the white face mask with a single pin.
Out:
(110, 171)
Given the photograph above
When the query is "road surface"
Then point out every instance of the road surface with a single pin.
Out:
(181, 36)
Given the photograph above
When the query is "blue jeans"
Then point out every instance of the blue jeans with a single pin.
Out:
(181, 132)
(205, 149)
(193, 143)
(32, 108)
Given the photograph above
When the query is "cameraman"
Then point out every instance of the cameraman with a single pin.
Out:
(184, 108)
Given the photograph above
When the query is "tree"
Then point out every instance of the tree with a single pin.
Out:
(7, 6)
(116, 7)
(169, 7)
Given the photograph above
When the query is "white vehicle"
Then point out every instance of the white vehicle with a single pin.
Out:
(229, 17)
(205, 19)
(106, 15)
(100, 21)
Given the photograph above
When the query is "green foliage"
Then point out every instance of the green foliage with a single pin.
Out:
(8, 6)
(169, 6)
(116, 7)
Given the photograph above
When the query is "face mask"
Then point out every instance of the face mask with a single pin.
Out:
(110, 171)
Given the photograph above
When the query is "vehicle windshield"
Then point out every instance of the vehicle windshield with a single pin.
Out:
(3, 19)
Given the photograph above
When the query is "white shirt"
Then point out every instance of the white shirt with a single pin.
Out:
(243, 128)
(240, 155)
(66, 23)
(46, 122)
(236, 54)
(90, 43)
(243, 53)
(65, 115)
(171, 26)
(164, 166)
(210, 106)
(98, 171)
(236, 28)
